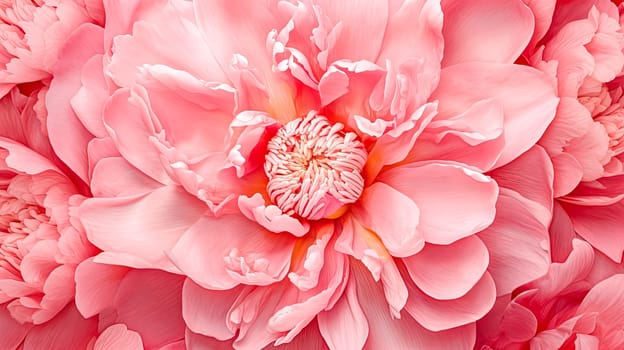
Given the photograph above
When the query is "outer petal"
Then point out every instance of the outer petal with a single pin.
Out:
(606, 300)
(393, 217)
(482, 30)
(346, 317)
(96, 286)
(144, 226)
(67, 134)
(600, 226)
(449, 271)
(454, 201)
(54, 335)
(386, 332)
(13, 333)
(438, 315)
(117, 337)
(518, 245)
(239, 252)
(529, 106)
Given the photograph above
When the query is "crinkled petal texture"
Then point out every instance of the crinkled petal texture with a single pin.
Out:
(568, 308)
(41, 241)
(305, 184)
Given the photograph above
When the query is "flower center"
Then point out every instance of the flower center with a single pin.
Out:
(314, 168)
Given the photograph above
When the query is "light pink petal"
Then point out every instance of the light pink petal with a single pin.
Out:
(603, 191)
(387, 332)
(561, 234)
(528, 107)
(448, 271)
(351, 14)
(96, 286)
(150, 303)
(88, 101)
(205, 311)
(482, 30)
(240, 252)
(454, 201)
(438, 315)
(145, 226)
(568, 174)
(543, 13)
(68, 136)
(519, 323)
(606, 299)
(271, 217)
(393, 216)
(346, 317)
(518, 245)
(129, 123)
(118, 337)
(115, 177)
(530, 176)
(309, 338)
(23, 159)
(600, 226)
(414, 31)
(54, 335)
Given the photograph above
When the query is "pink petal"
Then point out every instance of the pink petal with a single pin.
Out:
(12, 332)
(68, 136)
(448, 271)
(96, 286)
(481, 30)
(115, 177)
(206, 311)
(528, 107)
(198, 341)
(118, 337)
(54, 335)
(601, 226)
(387, 332)
(393, 217)
(88, 101)
(244, 253)
(438, 315)
(518, 245)
(270, 217)
(603, 191)
(150, 303)
(543, 13)
(346, 317)
(530, 176)
(144, 226)
(23, 159)
(454, 201)
(351, 14)
(606, 299)
(129, 123)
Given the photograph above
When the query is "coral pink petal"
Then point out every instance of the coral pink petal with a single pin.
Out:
(561, 234)
(386, 332)
(150, 303)
(68, 136)
(13, 332)
(528, 107)
(454, 201)
(518, 245)
(486, 31)
(129, 123)
(309, 338)
(96, 286)
(117, 337)
(601, 226)
(606, 299)
(438, 315)
(198, 341)
(144, 226)
(245, 253)
(346, 317)
(604, 191)
(24, 159)
(393, 216)
(55, 334)
(543, 13)
(88, 101)
(206, 311)
(449, 271)
(531, 176)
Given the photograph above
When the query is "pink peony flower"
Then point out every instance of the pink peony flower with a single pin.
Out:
(33, 33)
(563, 310)
(304, 182)
(583, 49)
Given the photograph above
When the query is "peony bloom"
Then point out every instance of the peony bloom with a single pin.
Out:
(584, 50)
(309, 176)
(564, 310)
(33, 33)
